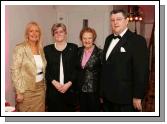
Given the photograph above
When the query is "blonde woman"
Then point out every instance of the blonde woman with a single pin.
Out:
(28, 70)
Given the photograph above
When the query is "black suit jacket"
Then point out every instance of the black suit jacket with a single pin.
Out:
(125, 74)
(89, 76)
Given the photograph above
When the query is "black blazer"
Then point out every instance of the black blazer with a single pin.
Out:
(53, 66)
(89, 76)
(125, 74)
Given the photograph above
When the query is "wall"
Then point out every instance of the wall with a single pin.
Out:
(149, 19)
(72, 16)
(144, 27)
(17, 18)
(19, 15)
(46, 15)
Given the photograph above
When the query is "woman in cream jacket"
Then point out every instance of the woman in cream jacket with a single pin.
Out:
(28, 70)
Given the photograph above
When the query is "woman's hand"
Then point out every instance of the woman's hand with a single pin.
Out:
(19, 97)
(65, 87)
(57, 85)
(62, 88)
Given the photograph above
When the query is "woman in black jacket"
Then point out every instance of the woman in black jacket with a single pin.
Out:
(60, 71)
(89, 65)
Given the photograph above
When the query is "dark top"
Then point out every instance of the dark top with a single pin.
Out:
(53, 64)
(89, 76)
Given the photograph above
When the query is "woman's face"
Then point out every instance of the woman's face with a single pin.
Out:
(59, 35)
(33, 34)
(87, 40)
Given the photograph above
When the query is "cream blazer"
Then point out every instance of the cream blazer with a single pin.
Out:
(23, 68)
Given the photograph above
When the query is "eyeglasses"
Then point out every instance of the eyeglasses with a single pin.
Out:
(117, 20)
(57, 32)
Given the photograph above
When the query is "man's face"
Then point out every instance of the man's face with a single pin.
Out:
(118, 23)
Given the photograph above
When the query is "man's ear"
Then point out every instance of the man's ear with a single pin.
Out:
(127, 21)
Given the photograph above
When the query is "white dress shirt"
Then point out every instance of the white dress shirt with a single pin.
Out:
(113, 44)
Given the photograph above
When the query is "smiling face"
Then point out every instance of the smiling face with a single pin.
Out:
(33, 33)
(118, 23)
(59, 35)
(87, 40)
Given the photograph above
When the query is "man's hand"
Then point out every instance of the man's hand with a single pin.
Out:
(137, 104)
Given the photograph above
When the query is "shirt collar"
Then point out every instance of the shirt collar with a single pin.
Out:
(122, 33)
(56, 47)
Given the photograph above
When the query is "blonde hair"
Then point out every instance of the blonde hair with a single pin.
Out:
(29, 25)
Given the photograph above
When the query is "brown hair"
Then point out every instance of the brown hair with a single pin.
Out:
(124, 13)
(56, 26)
(88, 29)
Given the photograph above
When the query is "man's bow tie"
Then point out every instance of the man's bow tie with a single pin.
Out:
(118, 36)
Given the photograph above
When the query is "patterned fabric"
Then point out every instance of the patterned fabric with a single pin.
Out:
(88, 77)
(23, 68)
(34, 101)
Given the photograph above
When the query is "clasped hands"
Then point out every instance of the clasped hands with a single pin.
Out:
(62, 88)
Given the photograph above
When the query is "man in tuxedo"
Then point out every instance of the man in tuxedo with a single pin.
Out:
(125, 67)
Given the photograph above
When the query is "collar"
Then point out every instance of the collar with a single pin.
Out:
(89, 50)
(64, 46)
(122, 33)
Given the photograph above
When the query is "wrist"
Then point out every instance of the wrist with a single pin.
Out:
(19, 93)
(69, 83)
(53, 81)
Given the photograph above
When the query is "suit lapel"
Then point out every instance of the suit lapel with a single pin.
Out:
(81, 56)
(29, 54)
(106, 46)
(43, 58)
(91, 57)
(120, 43)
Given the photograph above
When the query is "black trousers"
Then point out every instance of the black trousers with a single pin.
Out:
(89, 102)
(61, 103)
(109, 106)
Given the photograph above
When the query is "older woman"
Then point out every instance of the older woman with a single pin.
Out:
(28, 70)
(60, 71)
(89, 65)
